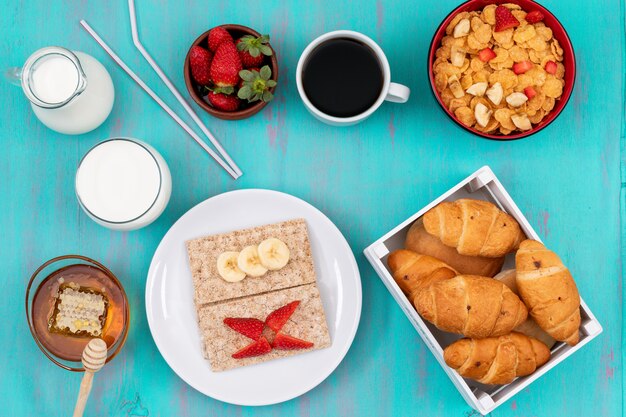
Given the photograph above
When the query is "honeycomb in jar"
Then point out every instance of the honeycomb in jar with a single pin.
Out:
(78, 311)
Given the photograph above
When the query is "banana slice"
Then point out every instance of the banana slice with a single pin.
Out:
(274, 253)
(249, 262)
(227, 267)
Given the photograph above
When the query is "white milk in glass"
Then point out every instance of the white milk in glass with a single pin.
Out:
(123, 184)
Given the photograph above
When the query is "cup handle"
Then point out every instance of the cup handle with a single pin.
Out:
(13, 75)
(398, 93)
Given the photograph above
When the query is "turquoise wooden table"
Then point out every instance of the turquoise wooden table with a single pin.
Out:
(367, 178)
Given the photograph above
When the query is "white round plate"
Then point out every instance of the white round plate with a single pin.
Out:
(172, 316)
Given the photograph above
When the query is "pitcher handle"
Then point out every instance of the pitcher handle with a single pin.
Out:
(14, 75)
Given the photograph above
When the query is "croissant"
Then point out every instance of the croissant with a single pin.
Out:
(474, 227)
(496, 360)
(472, 306)
(420, 241)
(530, 326)
(414, 272)
(549, 291)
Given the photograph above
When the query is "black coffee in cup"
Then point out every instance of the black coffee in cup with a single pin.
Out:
(342, 77)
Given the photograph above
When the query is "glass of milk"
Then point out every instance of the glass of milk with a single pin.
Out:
(70, 92)
(123, 184)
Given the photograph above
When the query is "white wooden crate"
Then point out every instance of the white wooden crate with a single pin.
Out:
(481, 185)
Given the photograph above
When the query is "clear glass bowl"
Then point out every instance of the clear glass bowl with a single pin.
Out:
(115, 335)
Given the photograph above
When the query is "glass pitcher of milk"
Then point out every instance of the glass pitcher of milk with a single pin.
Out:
(70, 91)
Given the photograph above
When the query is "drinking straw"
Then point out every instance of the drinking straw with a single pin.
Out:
(156, 98)
(173, 89)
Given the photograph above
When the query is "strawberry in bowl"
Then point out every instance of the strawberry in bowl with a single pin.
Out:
(231, 71)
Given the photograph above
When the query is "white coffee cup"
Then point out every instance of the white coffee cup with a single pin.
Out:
(396, 93)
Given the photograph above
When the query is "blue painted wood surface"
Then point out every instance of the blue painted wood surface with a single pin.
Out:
(366, 178)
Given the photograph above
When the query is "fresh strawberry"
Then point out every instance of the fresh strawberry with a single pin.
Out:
(534, 16)
(253, 50)
(258, 348)
(505, 19)
(226, 65)
(252, 328)
(222, 101)
(217, 35)
(522, 66)
(530, 92)
(550, 67)
(486, 55)
(277, 318)
(286, 342)
(200, 63)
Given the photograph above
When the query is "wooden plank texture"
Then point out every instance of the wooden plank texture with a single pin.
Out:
(366, 178)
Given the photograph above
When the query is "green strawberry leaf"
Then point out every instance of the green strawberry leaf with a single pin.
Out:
(254, 51)
(244, 92)
(247, 75)
(265, 72)
(265, 50)
(267, 96)
(241, 46)
(271, 83)
(225, 90)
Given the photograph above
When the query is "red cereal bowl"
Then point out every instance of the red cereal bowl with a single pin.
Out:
(559, 33)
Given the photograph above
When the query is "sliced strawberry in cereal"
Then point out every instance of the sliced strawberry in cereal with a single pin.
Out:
(530, 92)
(551, 67)
(534, 17)
(505, 19)
(522, 66)
(486, 55)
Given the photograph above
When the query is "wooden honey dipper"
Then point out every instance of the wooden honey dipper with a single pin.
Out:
(94, 357)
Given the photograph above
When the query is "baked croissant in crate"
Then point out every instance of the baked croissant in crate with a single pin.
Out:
(420, 241)
(470, 305)
(530, 326)
(413, 271)
(474, 228)
(496, 360)
(549, 291)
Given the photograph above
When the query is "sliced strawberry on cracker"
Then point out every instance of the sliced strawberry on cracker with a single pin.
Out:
(249, 327)
(522, 66)
(550, 67)
(534, 17)
(486, 55)
(505, 19)
(258, 348)
(530, 92)
(277, 318)
(286, 342)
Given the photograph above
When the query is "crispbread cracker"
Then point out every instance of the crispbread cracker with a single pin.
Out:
(219, 341)
(209, 287)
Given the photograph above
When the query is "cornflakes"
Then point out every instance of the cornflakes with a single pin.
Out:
(462, 62)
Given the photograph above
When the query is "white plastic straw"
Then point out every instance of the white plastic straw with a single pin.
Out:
(173, 89)
(156, 98)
